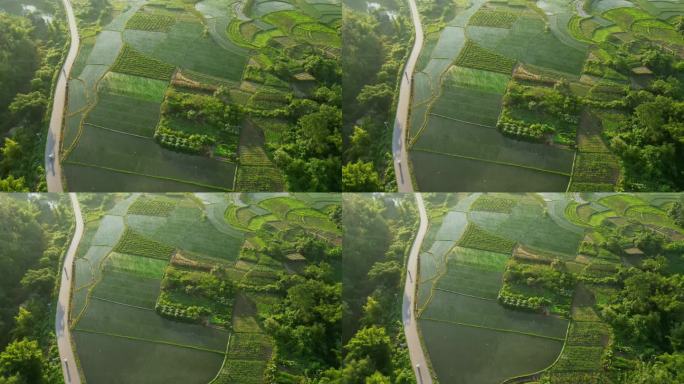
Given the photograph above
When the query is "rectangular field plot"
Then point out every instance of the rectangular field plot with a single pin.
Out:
(110, 230)
(450, 42)
(113, 360)
(485, 81)
(90, 179)
(249, 346)
(443, 173)
(467, 104)
(125, 153)
(479, 238)
(470, 280)
(106, 48)
(465, 355)
(137, 87)
(135, 265)
(242, 372)
(116, 319)
(127, 289)
(472, 141)
(528, 42)
(186, 230)
(452, 227)
(531, 227)
(486, 260)
(124, 114)
(186, 46)
(452, 308)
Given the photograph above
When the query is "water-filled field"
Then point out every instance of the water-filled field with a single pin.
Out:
(137, 300)
(485, 313)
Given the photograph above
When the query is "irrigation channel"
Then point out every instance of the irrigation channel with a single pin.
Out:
(53, 167)
(401, 167)
(66, 351)
(418, 360)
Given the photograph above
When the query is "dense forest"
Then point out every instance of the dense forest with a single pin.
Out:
(378, 235)
(35, 233)
(376, 44)
(31, 51)
(306, 325)
(649, 138)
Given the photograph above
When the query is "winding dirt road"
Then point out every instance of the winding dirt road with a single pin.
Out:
(418, 360)
(53, 167)
(401, 167)
(66, 352)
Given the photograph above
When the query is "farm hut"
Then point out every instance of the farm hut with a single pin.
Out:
(634, 251)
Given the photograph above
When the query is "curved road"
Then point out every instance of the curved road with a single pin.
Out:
(401, 168)
(53, 168)
(418, 360)
(66, 352)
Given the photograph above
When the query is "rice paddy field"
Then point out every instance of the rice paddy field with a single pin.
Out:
(465, 132)
(172, 288)
(481, 323)
(118, 125)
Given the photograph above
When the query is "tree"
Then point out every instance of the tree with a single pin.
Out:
(377, 96)
(12, 153)
(30, 106)
(23, 358)
(360, 176)
(24, 323)
(378, 378)
(386, 274)
(666, 369)
(371, 343)
(39, 281)
(11, 184)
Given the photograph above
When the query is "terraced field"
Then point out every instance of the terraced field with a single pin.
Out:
(481, 116)
(484, 310)
(169, 289)
(179, 95)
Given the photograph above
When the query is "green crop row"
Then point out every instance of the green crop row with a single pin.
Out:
(474, 56)
(151, 207)
(478, 238)
(588, 333)
(493, 18)
(596, 168)
(150, 22)
(133, 243)
(493, 204)
(133, 62)
(249, 346)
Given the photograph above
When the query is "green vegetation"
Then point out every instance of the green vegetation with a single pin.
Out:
(150, 22)
(142, 88)
(493, 18)
(248, 96)
(151, 207)
(217, 290)
(375, 48)
(136, 244)
(595, 85)
(474, 56)
(594, 300)
(377, 239)
(493, 203)
(37, 235)
(135, 63)
(30, 56)
(477, 238)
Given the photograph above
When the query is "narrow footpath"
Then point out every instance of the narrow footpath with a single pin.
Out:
(53, 167)
(66, 352)
(418, 360)
(401, 124)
